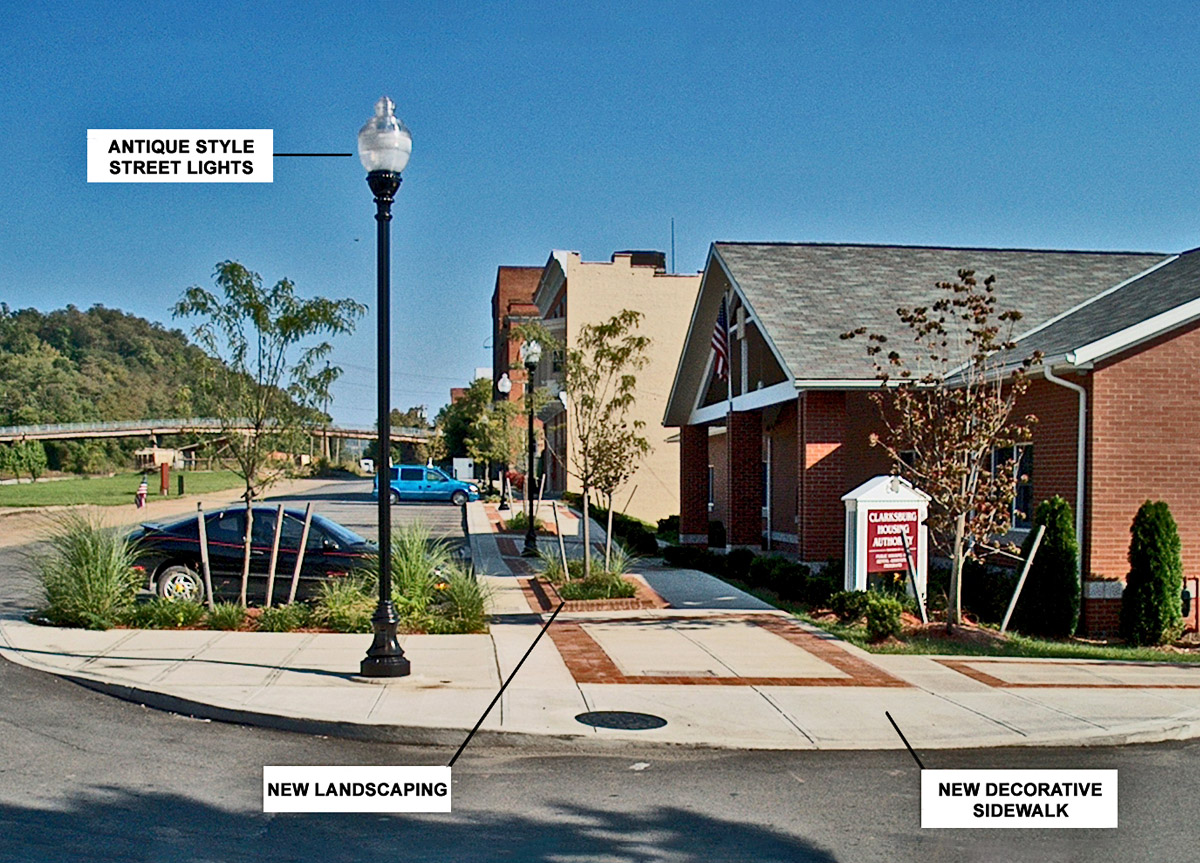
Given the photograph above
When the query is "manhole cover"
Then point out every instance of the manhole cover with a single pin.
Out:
(622, 719)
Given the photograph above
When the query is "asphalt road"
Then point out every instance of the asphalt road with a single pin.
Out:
(87, 777)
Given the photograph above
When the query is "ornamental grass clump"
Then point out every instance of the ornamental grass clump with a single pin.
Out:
(283, 618)
(87, 575)
(160, 613)
(344, 605)
(431, 591)
(226, 616)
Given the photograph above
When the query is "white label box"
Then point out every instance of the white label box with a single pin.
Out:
(180, 155)
(356, 789)
(1019, 798)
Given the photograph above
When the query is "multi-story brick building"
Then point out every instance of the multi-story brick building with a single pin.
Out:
(770, 449)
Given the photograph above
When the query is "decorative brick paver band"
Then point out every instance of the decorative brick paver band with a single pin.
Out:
(972, 671)
(588, 663)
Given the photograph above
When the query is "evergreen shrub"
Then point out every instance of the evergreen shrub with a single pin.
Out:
(883, 616)
(1049, 602)
(1150, 607)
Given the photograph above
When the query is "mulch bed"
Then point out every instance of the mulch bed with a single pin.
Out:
(542, 597)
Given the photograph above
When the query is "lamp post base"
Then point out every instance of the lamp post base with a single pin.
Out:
(384, 657)
(530, 549)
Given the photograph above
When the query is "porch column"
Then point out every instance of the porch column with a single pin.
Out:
(693, 485)
(744, 448)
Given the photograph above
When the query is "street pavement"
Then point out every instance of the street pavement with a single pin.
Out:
(711, 666)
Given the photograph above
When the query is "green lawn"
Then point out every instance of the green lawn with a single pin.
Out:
(110, 490)
(1016, 644)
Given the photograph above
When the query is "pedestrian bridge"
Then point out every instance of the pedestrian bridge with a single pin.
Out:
(156, 427)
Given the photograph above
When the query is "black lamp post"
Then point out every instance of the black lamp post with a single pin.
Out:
(384, 145)
(504, 385)
(531, 352)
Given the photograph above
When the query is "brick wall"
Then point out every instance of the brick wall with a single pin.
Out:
(821, 462)
(743, 433)
(1145, 446)
(693, 481)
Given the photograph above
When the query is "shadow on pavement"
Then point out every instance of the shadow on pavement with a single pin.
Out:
(113, 824)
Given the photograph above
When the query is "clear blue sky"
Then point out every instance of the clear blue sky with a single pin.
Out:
(582, 126)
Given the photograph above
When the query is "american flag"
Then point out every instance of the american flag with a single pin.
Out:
(720, 344)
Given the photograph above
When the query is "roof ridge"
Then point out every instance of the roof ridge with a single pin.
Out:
(938, 248)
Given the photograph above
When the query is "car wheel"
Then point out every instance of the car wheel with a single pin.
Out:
(179, 582)
(458, 498)
(395, 496)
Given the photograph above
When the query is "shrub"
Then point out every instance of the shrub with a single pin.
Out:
(159, 613)
(668, 529)
(849, 605)
(344, 605)
(694, 557)
(226, 615)
(739, 562)
(1150, 607)
(283, 618)
(883, 616)
(599, 585)
(520, 523)
(1049, 602)
(716, 534)
(987, 589)
(460, 604)
(87, 575)
(823, 584)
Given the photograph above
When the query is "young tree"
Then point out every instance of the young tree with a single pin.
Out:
(600, 383)
(1151, 610)
(947, 409)
(1049, 603)
(265, 380)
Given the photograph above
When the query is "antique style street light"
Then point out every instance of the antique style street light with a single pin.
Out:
(384, 145)
(504, 385)
(531, 352)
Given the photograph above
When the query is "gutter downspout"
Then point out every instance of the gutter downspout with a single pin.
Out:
(1081, 454)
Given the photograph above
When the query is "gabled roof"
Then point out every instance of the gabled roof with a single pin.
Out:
(1156, 301)
(807, 294)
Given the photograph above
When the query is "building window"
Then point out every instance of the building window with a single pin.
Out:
(1021, 457)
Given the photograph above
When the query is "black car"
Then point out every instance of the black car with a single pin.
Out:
(170, 554)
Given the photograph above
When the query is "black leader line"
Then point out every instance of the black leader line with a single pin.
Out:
(905, 739)
(312, 154)
(545, 626)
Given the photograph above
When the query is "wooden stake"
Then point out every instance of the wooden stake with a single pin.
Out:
(912, 574)
(274, 557)
(1037, 540)
(300, 553)
(562, 546)
(208, 591)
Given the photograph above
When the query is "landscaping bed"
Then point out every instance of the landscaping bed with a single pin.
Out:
(544, 596)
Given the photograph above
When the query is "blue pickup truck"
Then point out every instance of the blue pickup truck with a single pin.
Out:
(418, 482)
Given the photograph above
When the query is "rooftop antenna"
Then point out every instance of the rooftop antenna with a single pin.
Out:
(672, 245)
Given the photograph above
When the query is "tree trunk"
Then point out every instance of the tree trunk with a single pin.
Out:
(608, 537)
(246, 548)
(587, 535)
(956, 570)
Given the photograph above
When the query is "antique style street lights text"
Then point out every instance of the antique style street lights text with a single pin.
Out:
(384, 145)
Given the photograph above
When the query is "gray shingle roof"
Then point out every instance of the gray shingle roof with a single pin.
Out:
(808, 294)
(1171, 285)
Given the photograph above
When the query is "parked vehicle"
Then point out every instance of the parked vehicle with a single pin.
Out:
(418, 482)
(170, 554)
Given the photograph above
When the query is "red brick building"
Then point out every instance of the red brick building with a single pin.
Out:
(769, 449)
(512, 304)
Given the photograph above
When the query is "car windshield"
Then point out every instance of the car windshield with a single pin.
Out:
(340, 534)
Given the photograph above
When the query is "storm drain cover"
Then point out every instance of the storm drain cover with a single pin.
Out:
(621, 719)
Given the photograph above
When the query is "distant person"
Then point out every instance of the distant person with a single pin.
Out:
(139, 498)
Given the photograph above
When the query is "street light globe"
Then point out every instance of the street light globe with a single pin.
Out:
(504, 385)
(384, 142)
(531, 352)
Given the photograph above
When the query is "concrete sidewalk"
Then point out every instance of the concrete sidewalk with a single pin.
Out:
(718, 666)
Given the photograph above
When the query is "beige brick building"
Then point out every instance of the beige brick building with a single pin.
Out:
(572, 292)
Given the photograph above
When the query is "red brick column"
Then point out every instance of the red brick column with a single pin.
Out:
(693, 485)
(744, 437)
(822, 465)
